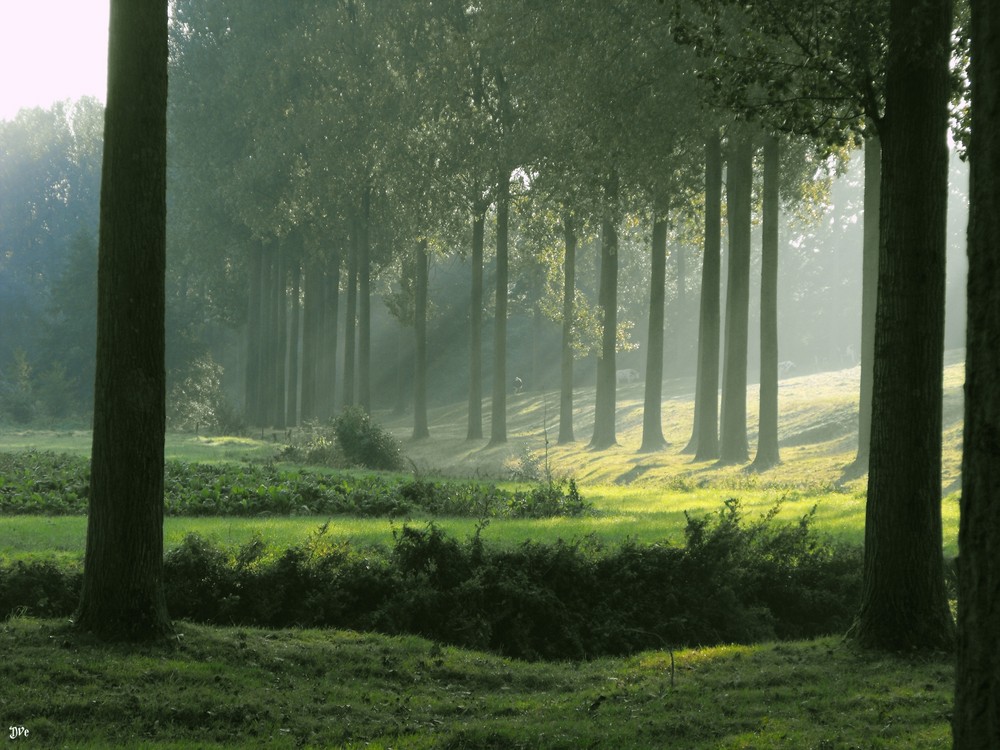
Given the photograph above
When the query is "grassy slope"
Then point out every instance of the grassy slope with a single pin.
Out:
(640, 495)
(217, 687)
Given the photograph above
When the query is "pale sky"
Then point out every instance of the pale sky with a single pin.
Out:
(51, 50)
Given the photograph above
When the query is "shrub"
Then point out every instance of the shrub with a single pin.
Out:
(364, 443)
(735, 581)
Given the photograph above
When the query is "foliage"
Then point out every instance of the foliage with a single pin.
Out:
(36, 482)
(734, 581)
(17, 398)
(364, 443)
(197, 401)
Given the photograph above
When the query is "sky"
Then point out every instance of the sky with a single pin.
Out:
(51, 50)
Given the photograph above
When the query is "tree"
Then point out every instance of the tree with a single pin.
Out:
(704, 442)
(767, 432)
(566, 347)
(123, 594)
(976, 725)
(733, 446)
(420, 429)
(904, 604)
(604, 402)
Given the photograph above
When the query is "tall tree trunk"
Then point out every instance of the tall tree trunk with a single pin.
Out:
(123, 594)
(268, 346)
(365, 305)
(498, 420)
(568, 316)
(704, 442)
(904, 605)
(733, 446)
(652, 410)
(254, 354)
(280, 292)
(420, 429)
(475, 430)
(977, 678)
(869, 296)
(329, 333)
(350, 320)
(605, 398)
(767, 431)
(311, 346)
(292, 404)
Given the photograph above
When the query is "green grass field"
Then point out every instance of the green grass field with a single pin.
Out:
(219, 687)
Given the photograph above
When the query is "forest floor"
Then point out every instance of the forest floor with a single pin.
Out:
(817, 431)
(212, 687)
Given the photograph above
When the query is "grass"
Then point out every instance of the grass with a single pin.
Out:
(645, 515)
(221, 687)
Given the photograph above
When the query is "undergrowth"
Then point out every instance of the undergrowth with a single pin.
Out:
(43, 483)
(735, 580)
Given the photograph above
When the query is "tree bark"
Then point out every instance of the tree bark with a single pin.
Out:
(704, 442)
(498, 420)
(123, 594)
(568, 315)
(311, 351)
(733, 446)
(253, 384)
(280, 292)
(292, 403)
(365, 304)
(420, 429)
(475, 427)
(351, 319)
(977, 692)
(904, 604)
(869, 296)
(329, 333)
(768, 454)
(652, 410)
(605, 398)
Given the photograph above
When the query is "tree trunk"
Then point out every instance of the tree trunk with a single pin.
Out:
(498, 420)
(351, 319)
(605, 398)
(568, 315)
(652, 410)
(123, 595)
(365, 305)
(475, 429)
(704, 442)
(767, 431)
(977, 692)
(904, 604)
(292, 404)
(420, 429)
(329, 334)
(254, 354)
(733, 446)
(267, 343)
(869, 295)
(311, 352)
(280, 292)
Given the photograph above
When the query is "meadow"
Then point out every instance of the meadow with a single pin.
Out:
(248, 687)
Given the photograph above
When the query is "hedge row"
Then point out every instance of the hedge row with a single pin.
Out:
(44, 483)
(733, 581)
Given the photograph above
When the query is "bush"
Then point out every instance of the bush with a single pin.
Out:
(197, 401)
(364, 443)
(734, 581)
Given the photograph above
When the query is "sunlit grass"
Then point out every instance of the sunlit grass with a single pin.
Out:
(242, 687)
(640, 514)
